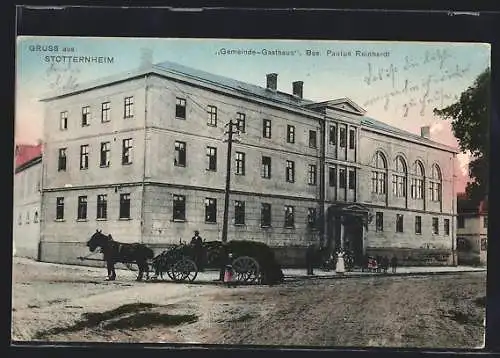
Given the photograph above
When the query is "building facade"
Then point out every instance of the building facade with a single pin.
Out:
(27, 200)
(143, 157)
(472, 232)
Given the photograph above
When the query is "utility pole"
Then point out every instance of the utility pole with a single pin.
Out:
(230, 134)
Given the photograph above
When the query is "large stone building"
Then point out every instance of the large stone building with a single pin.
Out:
(27, 197)
(142, 156)
(472, 231)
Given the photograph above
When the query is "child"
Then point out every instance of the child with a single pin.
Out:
(394, 263)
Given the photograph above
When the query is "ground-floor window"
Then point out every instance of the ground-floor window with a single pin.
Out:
(82, 208)
(102, 206)
(379, 221)
(447, 226)
(210, 210)
(435, 226)
(239, 212)
(59, 208)
(125, 206)
(311, 217)
(418, 224)
(179, 208)
(289, 216)
(484, 244)
(265, 215)
(399, 223)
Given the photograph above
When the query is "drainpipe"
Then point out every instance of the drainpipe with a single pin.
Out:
(322, 182)
(41, 218)
(144, 154)
(454, 214)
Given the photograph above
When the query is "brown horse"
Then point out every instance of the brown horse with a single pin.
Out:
(115, 252)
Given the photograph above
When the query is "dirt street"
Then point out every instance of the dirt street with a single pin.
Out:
(71, 303)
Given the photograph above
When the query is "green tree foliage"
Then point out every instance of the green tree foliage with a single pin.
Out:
(470, 119)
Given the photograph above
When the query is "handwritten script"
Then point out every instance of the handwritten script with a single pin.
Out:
(416, 92)
(62, 76)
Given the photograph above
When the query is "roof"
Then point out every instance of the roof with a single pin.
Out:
(26, 153)
(232, 84)
(167, 67)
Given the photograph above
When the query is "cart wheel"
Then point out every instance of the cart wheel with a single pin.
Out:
(184, 270)
(246, 269)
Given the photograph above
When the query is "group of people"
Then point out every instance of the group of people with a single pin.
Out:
(380, 263)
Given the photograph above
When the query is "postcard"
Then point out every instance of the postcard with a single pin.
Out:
(250, 192)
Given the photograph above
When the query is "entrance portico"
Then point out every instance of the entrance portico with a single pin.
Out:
(347, 225)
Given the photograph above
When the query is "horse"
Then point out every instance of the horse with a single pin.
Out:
(114, 252)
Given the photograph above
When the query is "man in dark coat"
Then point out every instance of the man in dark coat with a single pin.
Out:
(394, 263)
(310, 259)
(197, 243)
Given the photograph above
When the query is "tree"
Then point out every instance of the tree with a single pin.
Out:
(470, 119)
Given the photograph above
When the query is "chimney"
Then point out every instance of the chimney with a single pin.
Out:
(272, 81)
(298, 88)
(425, 132)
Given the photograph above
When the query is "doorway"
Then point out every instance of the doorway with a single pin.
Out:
(353, 238)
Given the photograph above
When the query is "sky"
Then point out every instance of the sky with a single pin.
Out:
(400, 86)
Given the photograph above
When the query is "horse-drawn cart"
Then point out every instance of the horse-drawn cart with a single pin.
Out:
(250, 262)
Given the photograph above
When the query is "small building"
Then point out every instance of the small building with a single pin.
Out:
(472, 231)
(27, 200)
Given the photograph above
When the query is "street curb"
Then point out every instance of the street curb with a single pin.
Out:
(402, 274)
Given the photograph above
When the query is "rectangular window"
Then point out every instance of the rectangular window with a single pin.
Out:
(102, 206)
(418, 224)
(342, 178)
(343, 137)
(289, 216)
(212, 116)
(379, 221)
(211, 158)
(266, 167)
(128, 109)
(61, 164)
(127, 151)
(63, 120)
(82, 208)
(290, 134)
(460, 222)
(352, 179)
(435, 226)
(266, 128)
(240, 122)
(85, 116)
(312, 174)
(399, 185)
(332, 176)
(240, 163)
(105, 112)
(399, 223)
(84, 156)
(435, 191)
(290, 171)
(210, 210)
(447, 227)
(378, 182)
(239, 212)
(485, 222)
(180, 154)
(180, 108)
(333, 135)
(59, 208)
(105, 154)
(179, 208)
(125, 206)
(352, 138)
(312, 139)
(311, 217)
(265, 215)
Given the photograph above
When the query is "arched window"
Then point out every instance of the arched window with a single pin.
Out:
(435, 183)
(399, 177)
(417, 182)
(379, 173)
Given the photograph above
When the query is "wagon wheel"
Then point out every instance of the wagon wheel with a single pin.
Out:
(246, 269)
(183, 270)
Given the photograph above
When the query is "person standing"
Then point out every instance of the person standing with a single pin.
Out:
(394, 263)
(310, 256)
(197, 243)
